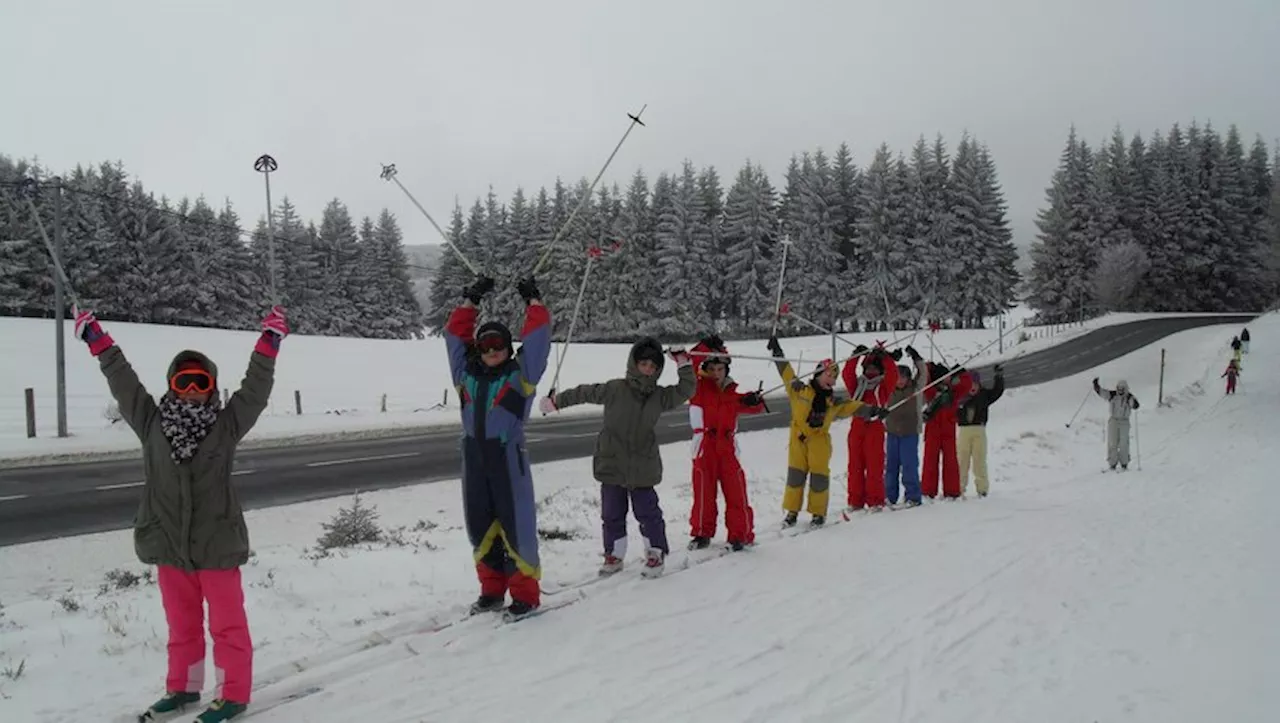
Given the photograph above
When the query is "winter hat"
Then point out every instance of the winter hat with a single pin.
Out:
(649, 351)
(490, 328)
(822, 365)
(1122, 386)
(872, 361)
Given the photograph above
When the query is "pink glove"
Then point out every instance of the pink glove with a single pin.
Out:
(274, 329)
(547, 405)
(681, 358)
(88, 329)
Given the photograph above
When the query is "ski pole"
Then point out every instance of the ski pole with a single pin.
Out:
(960, 366)
(265, 165)
(1137, 441)
(593, 253)
(786, 310)
(586, 197)
(389, 174)
(782, 274)
(745, 357)
(1087, 394)
(28, 189)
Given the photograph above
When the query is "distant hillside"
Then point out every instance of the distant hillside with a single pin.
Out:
(423, 260)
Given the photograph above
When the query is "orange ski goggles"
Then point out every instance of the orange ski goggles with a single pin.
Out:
(191, 380)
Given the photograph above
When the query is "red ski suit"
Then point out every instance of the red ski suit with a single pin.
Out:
(940, 438)
(713, 415)
(866, 437)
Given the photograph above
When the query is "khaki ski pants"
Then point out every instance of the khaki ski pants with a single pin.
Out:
(971, 446)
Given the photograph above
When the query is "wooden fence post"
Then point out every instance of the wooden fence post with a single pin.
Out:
(297, 401)
(30, 394)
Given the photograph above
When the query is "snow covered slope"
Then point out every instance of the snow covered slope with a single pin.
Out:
(343, 382)
(1068, 595)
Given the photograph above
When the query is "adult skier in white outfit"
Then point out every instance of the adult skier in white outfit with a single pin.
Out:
(1122, 404)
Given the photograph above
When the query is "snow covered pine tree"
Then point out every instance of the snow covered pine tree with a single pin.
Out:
(713, 415)
(497, 387)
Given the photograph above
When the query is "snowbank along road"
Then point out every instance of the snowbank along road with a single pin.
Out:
(38, 503)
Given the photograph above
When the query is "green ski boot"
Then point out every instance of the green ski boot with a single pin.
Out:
(172, 703)
(220, 710)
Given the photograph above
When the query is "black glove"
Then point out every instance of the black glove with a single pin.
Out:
(477, 290)
(750, 399)
(877, 413)
(911, 352)
(897, 355)
(528, 290)
(775, 347)
(859, 350)
(1095, 383)
(999, 369)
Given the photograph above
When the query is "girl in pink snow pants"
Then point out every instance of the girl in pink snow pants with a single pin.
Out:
(189, 522)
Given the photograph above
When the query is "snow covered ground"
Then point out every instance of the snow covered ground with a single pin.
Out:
(342, 382)
(1068, 595)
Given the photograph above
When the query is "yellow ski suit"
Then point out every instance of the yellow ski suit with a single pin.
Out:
(809, 453)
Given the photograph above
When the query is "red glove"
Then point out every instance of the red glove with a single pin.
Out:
(88, 329)
(681, 357)
(274, 329)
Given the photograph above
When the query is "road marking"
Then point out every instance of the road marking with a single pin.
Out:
(243, 471)
(6, 498)
(120, 486)
(374, 458)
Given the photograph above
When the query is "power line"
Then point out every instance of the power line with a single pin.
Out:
(182, 218)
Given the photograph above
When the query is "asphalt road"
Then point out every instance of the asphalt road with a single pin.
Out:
(38, 503)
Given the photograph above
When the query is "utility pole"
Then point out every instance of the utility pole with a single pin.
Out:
(60, 310)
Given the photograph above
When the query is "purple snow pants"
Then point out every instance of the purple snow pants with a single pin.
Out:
(613, 513)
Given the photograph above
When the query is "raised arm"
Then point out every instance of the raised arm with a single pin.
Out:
(676, 394)
(137, 408)
(1104, 393)
(535, 337)
(850, 407)
(460, 330)
(997, 388)
(583, 394)
(250, 400)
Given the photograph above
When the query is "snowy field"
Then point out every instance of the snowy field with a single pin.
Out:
(1068, 595)
(342, 382)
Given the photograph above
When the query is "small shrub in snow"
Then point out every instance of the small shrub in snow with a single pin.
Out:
(424, 526)
(351, 526)
(69, 603)
(124, 579)
(13, 673)
(555, 533)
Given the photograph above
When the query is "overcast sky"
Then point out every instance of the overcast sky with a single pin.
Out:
(461, 95)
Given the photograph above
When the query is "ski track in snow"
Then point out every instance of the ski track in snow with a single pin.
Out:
(1068, 595)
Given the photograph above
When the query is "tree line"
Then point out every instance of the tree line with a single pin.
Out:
(906, 237)
(1185, 221)
(133, 257)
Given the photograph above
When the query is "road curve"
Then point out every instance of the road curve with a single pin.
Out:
(38, 503)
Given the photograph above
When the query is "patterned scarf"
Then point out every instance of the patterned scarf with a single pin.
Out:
(866, 385)
(186, 424)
